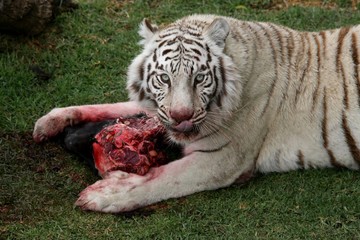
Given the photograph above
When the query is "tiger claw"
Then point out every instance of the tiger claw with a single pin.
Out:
(38, 138)
(38, 134)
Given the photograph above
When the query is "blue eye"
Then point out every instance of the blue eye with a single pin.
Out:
(199, 78)
(164, 77)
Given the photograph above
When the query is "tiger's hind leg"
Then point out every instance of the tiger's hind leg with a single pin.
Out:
(57, 119)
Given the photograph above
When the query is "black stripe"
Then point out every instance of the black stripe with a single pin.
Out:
(189, 58)
(342, 33)
(198, 43)
(199, 118)
(308, 63)
(160, 67)
(209, 134)
(351, 142)
(171, 42)
(209, 83)
(289, 47)
(153, 83)
(169, 34)
(191, 70)
(324, 42)
(162, 114)
(223, 76)
(188, 41)
(279, 39)
(318, 78)
(333, 160)
(216, 79)
(175, 67)
(192, 28)
(258, 38)
(355, 58)
(339, 66)
(256, 159)
(141, 94)
(135, 86)
(162, 43)
(196, 51)
(195, 34)
(166, 51)
(142, 70)
(209, 58)
(213, 150)
(150, 75)
(275, 79)
(149, 26)
(300, 161)
(154, 56)
(345, 87)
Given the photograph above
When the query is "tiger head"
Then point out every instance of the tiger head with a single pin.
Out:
(185, 76)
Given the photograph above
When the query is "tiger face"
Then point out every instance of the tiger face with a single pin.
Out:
(181, 74)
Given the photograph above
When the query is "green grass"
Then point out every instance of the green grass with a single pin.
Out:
(87, 52)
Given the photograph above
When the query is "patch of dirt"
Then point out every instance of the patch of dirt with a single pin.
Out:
(37, 157)
(36, 173)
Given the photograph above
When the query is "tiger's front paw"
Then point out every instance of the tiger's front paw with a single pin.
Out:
(118, 192)
(54, 122)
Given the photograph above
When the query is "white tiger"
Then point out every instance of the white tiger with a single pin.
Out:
(242, 97)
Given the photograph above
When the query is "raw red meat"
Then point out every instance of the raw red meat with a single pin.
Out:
(131, 144)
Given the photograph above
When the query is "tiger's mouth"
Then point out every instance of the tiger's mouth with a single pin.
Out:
(184, 126)
(183, 131)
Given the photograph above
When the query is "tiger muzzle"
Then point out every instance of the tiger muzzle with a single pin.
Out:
(182, 117)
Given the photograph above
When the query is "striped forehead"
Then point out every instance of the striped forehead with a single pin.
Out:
(183, 45)
(176, 51)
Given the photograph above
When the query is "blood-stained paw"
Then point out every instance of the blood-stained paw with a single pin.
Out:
(118, 192)
(54, 122)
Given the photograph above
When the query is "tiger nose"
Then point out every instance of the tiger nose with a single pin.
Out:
(182, 114)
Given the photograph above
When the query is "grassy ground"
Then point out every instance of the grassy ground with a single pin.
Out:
(85, 54)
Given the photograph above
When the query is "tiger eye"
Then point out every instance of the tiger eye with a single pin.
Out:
(164, 77)
(200, 77)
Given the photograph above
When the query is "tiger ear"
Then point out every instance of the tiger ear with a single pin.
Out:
(217, 31)
(147, 30)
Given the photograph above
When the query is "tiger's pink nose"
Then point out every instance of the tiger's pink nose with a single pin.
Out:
(182, 114)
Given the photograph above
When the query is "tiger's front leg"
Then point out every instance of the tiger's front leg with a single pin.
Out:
(57, 119)
(198, 171)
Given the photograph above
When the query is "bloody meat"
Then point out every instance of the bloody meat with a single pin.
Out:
(132, 144)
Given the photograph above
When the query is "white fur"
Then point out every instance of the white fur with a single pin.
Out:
(272, 119)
